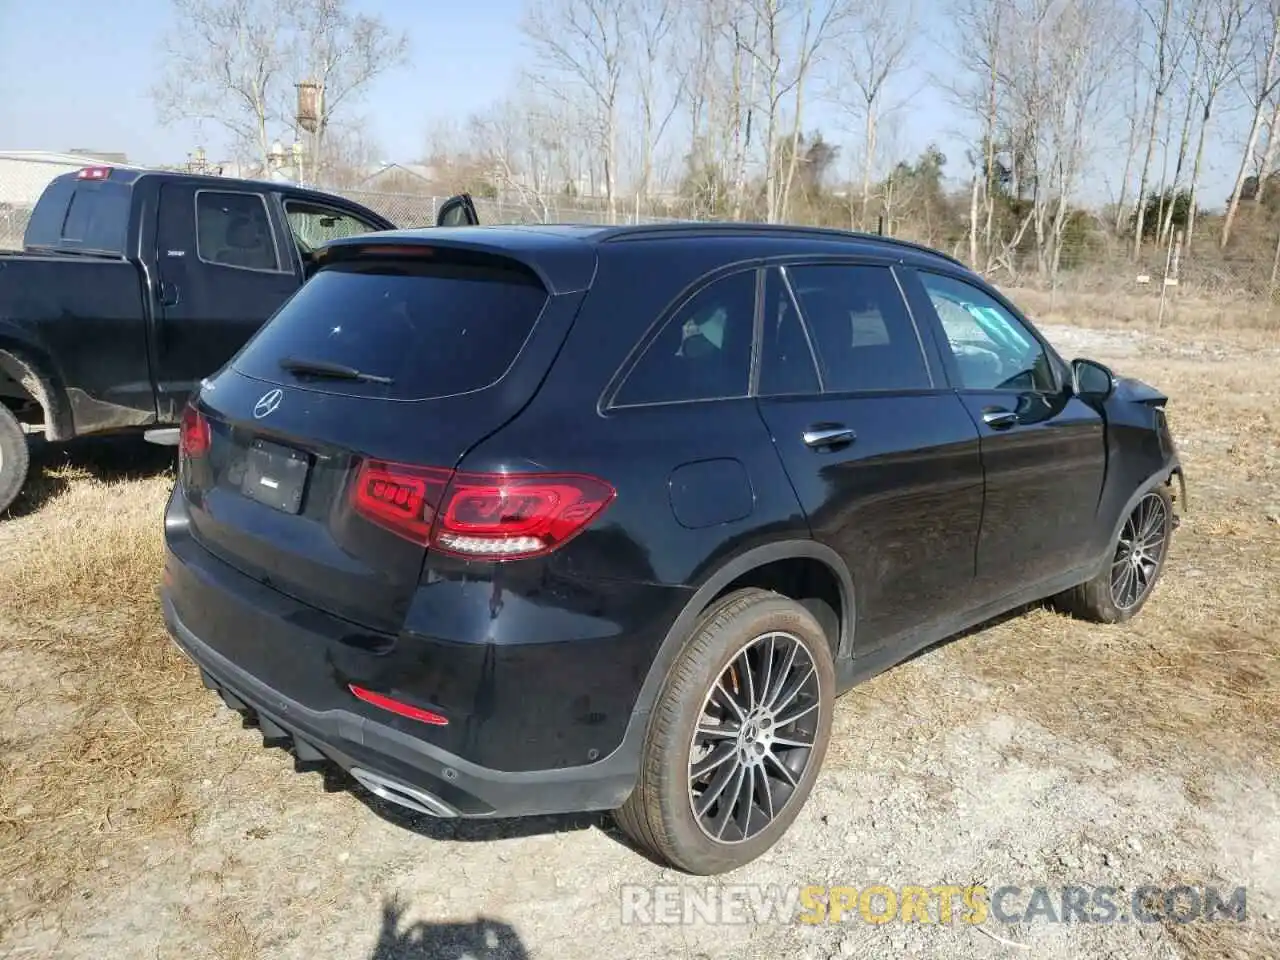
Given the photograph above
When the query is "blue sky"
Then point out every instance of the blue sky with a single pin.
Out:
(76, 74)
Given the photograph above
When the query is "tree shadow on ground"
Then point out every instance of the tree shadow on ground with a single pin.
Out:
(108, 459)
(480, 939)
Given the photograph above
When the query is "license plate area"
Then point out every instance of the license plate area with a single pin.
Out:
(275, 476)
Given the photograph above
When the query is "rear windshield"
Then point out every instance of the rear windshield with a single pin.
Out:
(81, 215)
(434, 329)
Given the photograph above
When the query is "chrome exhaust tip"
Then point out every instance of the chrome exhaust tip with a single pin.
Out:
(405, 796)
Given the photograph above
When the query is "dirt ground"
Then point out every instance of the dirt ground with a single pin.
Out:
(140, 818)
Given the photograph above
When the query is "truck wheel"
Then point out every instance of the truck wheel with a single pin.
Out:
(736, 738)
(1137, 560)
(14, 459)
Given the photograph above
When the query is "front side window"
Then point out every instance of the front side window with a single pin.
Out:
(993, 349)
(313, 224)
(703, 351)
(234, 230)
(864, 335)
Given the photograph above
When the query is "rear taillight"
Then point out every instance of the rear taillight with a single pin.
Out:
(193, 434)
(482, 516)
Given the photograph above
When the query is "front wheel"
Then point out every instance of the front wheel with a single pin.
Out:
(1117, 593)
(736, 738)
(14, 458)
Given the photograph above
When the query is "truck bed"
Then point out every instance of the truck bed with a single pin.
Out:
(81, 321)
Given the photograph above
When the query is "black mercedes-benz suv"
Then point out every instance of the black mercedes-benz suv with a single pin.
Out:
(523, 520)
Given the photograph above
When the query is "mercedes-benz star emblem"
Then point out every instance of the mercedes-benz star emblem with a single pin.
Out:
(267, 404)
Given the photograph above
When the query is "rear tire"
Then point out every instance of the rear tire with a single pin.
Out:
(14, 458)
(1137, 561)
(745, 713)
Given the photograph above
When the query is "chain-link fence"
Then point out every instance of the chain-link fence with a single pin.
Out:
(1093, 276)
(415, 210)
(23, 177)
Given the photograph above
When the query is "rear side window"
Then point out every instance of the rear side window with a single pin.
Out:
(864, 336)
(703, 351)
(786, 359)
(82, 215)
(234, 230)
(434, 329)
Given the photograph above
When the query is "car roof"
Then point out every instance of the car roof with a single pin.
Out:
(563, 254)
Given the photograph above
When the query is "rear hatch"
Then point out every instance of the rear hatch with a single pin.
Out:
(311, 462)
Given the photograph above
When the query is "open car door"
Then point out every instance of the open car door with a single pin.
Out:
(458, 211)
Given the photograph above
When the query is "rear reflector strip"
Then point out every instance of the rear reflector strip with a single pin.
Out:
(395, 706)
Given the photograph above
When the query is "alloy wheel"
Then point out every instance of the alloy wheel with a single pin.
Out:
(1139, 552)
(754, 738)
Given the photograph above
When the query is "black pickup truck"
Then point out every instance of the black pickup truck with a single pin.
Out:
(134, 285)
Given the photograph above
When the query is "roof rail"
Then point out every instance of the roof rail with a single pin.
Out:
(730, 227)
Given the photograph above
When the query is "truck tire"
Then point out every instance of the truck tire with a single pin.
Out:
(14, 458)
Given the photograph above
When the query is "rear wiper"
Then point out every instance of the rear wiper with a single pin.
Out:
(333, 371)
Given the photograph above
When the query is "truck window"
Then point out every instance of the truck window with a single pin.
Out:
(234, 230)
(313, 224)
(82, 215)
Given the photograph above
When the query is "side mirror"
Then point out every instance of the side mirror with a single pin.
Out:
(1091, 380)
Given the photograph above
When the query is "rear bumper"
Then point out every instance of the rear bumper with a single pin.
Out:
(401, 767)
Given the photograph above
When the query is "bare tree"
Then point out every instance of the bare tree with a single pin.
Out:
(1169, 44)
(1266, 77)
(1081, 43)
(660, 77)
(986, 35)
(790, 38)
(580, 42)
(1199, 10)
(1219, 40)
(343, 53)
(714, 44)
(223, 62)
(744, 26)
(524, 147)
(874, 48)
(235, 62)
(1137, 116)
(1268, 160)
(351, 155)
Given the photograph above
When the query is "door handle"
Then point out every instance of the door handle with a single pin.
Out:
(997, 418)
(168, 294)
(828, 435)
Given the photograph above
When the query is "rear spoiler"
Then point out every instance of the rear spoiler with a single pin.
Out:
(561, 264)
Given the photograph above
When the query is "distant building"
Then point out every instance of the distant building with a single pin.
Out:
(102, 156)
(420, 178)
(25, 173)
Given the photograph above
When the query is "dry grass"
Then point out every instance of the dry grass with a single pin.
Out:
(1197, 674)
(98, 712)
(91, 763)
(1244, 317)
